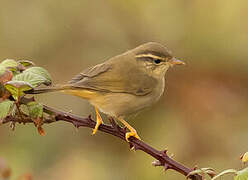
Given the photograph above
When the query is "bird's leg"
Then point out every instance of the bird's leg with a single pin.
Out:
(98, 121)
(132, 130)
(113, 123)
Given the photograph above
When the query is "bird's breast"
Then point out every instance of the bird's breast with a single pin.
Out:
(158, 90)
(121, 104)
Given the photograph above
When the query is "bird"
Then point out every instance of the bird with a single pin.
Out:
(122, 85)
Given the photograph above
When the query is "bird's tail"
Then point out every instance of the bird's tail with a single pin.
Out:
(46, 90)
(67, 89)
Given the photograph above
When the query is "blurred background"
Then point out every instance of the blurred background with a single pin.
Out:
(201, 119)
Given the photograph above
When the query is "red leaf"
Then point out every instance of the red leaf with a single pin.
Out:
(6, 76)
(41, 131)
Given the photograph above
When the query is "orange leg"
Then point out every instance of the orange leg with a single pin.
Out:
(132, 130)
(98, 121)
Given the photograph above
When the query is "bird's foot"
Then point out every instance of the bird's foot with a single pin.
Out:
(131, 129)
(132, 133)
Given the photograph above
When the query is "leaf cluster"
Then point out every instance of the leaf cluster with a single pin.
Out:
(16, 77)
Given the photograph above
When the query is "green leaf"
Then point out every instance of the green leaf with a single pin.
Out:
(31, 78)
(2, 69)
(242, 174)
(17, 88)
(229, 171)
(42, 72)
(24, 109)
(9, 63)
(206, 171)
(35, 110)
(26, 63)
(5, 108)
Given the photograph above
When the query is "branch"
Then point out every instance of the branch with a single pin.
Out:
(162, 159)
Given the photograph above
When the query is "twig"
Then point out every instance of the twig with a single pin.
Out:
(162, 159)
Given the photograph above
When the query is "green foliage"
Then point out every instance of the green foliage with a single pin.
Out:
(238, 175)
(33, 79)
(203, 171)
(229, 171)
(24, 77)
(9, 63)
(26, 63)
(35, 110)
(40, 72)
(5, 107)
(242, 174)
(16, 77)
(17, 88)
(2, 69)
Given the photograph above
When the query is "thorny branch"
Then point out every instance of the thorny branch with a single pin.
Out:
(162, 159)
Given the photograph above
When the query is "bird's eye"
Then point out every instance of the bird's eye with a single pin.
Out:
(157, 61)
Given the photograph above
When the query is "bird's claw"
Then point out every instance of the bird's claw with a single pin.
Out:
(132, 133)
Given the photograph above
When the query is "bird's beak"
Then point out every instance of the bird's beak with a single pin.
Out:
(174, 61)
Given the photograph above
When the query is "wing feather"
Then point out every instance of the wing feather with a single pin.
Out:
(90, 72)
(110, 77)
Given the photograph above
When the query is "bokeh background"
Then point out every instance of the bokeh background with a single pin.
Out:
(201, 119)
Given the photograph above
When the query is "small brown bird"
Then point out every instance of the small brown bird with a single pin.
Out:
(124, 84)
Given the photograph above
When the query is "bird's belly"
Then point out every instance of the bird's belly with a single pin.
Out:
(121, 104)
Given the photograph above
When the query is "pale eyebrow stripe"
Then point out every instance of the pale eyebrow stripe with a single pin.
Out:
(148, 55)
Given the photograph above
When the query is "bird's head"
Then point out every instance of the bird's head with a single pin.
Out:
(155, 58)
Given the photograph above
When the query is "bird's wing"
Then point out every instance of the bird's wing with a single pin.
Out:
(114, 78)
(90, 73)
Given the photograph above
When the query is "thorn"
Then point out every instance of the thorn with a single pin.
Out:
(12, 126)
(75, 124)
(132, 149)
(166, 167)
(164, 152)
(172, 155)
(195, 167)
(68, 114)
(156, 163)
(131, 146)
(136, 147)
(76, 129)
